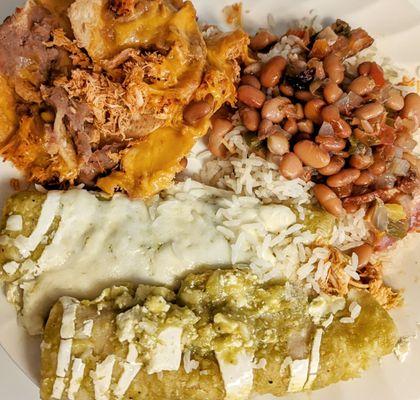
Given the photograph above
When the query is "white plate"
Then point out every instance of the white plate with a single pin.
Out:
(396, 28)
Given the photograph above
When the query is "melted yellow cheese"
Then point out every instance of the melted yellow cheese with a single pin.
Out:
(8, 118)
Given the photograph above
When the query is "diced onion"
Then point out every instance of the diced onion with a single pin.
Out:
(399, 167)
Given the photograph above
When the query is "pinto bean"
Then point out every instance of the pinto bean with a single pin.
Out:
(365, 179)
(306, 126)
(343, 178)
(330, 143)
(251, 80)
(195, 111)
(334, 166)
(330, 113)
(369, 111)
(273, 109)
(264, 128)
(361, 161)
(290, 126)
(272, 71)
(328, 200)
(304, 95)
(290, 166)
(378, 167)
(312, 110)
(341, 128)
(362, 85)
(251, 96)
(220, 127)
(363, 252)
(334, 68)
(299, 111)
(395, 101)
(278, 144)
(287, 90)
(332, 92)
(411, 108)
(364, 68)
(311, 154)
(343, 191)
(262, 39)
(250, 118)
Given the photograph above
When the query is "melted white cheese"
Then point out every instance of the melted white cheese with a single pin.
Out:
(77, 372)
(130, 370)
(64, 357)
(58, 388)
(237, 377)
(298, 375)
(70, 305)
(102, 378)
(87, 328)
(166, 356)
(132, 353)
(49, 210)
(14, 223)
(315, 358)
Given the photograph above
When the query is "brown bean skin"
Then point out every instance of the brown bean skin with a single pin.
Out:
(273, 109)
(299, 111)
(365, 179)
(262, 39)
(362, 85)
(343, 191)
(334, 68)
(290, 126)
(278, 144)
(251, 96)
(250, 118)
(272, 71)
(251, 80)
(364, 252)
(220, 127)
(305, 126)
(330, 143)
(341, 128)
(312, 110)
(304, 95)
(287, 90)
(290, 166)
(411, 108)
(332, 92)
(395, 101)
(328, 200)
(364, 68)
(369, 111)
(311, 154)
(334, 166)
(264, 128)
(361, 161)
(343, 178)
(195, 111)
(377, 168)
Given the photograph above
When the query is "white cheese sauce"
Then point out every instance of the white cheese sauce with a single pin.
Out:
(14, 223)
(77, 372)
(102, 378)
(99, 243)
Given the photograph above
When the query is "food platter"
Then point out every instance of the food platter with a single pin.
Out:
(394, 38)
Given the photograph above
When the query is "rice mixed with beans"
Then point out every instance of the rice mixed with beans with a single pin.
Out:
(314, 127)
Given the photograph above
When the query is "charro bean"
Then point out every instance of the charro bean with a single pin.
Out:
(250, 118)
(299, 111)
(369, 111)
(304, 95)
(395, 101)
(328, 200)
(251, 80)
(264, 128)
(361, 161)
(251, 96)
(312, 110)
(378, 167)
(290, 126)
(278, 144)
(411, 108)
(364, 68)
(306, 126)
(363, 252)
(332, 92)
(343, 191)
(290, 166)
(273, 109)
(330, 143)
(311, 154)
(365, 178)
(334, 68)
(343, 178)
(220, 127)
(195, 111)
(262, 39)
(334, 166)
(362, 85)
(341, 128)
(272, 71)
(330, 113)
(287, 90)
(350, 207)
